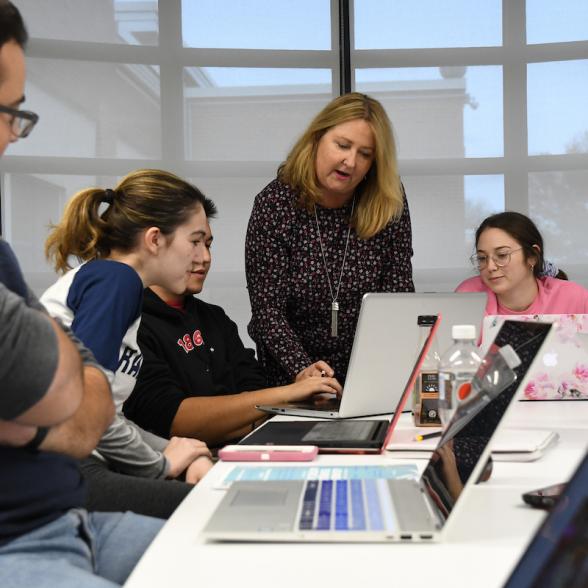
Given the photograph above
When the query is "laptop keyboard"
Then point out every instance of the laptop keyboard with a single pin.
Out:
(347, 505)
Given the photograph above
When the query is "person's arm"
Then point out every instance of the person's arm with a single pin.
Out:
(267, 267)
(398, 277)
(217, 418)
(41, 369)
(79, 435)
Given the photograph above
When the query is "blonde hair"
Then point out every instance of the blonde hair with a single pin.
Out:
(142, 199)
(381, 197)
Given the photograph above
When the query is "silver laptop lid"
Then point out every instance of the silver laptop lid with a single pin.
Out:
(386, 343)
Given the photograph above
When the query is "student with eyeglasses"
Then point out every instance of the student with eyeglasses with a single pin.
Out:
(20, 122)
(514, 274)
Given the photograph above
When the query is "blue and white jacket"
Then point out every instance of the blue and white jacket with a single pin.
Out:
(101, 301)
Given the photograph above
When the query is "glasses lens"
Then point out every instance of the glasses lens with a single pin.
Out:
(26, 126)
(478, 261)
(502, 259)
(23, 126)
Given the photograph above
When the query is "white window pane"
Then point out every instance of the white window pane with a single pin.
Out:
(257, 24)
(423, 24)
(132, 22)
(484, 195)
(248, 114)
(440, 112)
(557, 96)
(556, 22)
(558, 203)
(92, 109)
(445, 212)
(31, 203)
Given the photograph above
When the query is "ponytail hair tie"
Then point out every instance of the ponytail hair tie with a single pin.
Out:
(549, 269)
(108, 196)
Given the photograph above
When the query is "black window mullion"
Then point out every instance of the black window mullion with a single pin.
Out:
(344, 47)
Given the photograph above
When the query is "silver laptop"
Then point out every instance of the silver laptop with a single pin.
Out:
(384, 349)
(342, 436)
(562, 373)
(375, 508)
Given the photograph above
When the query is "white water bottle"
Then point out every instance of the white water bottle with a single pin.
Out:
(457, 368)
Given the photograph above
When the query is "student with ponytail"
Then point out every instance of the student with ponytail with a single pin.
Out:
(148, 230)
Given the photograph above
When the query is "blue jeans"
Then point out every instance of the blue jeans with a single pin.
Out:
(78, 550)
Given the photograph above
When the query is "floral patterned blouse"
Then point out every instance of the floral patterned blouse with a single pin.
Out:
(288, 288)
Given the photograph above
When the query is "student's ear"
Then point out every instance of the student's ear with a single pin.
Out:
(535, 258)
(153, 239)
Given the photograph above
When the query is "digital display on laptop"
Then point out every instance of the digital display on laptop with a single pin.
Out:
(457, 455)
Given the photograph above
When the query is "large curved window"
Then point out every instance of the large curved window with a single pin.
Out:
(487, 100)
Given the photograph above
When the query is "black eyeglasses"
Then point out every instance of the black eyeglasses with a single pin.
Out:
(21, 121)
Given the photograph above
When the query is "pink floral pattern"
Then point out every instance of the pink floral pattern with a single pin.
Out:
(564, 383)
(567, 377)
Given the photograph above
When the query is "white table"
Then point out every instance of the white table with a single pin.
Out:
(483, 546)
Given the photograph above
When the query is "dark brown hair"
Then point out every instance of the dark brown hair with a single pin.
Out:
(142, 199)
(12, 27)
(523, 230)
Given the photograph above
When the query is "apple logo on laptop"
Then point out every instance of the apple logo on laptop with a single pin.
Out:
(550, 359)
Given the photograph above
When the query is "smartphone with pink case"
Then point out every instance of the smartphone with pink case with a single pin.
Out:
(268, 452)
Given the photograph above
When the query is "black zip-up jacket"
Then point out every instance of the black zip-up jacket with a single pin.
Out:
(194, 352)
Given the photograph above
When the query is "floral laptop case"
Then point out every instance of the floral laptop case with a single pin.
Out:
(563, 371)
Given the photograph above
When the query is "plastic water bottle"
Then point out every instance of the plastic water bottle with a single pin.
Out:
(495, 374)
(457, 368)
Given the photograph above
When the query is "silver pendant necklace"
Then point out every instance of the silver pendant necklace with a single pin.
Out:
(334, 294)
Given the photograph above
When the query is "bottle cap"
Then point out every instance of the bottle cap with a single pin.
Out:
(510, 356)
(426, 320)
(463, 332)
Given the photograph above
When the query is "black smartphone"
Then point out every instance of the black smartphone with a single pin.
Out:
(544, 497)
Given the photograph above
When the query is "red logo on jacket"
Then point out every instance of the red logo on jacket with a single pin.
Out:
(188, 342)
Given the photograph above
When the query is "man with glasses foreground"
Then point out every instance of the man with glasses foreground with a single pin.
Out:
(21, 122)
(510, 260)
(55, 403)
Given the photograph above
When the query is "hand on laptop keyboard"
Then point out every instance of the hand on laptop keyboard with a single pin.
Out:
(311, 388)
(318, 368)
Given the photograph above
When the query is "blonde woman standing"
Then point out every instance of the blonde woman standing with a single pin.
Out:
(332, 226)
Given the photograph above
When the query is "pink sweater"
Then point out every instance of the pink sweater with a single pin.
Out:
(554, 297)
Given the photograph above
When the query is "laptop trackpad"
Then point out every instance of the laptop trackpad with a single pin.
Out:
(256, 498)
(341, 431)
(258, 507)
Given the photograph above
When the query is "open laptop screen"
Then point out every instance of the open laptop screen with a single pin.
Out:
(558, 554)
(457, 455)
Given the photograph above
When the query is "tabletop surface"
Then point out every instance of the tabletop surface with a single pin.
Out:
(484, 543)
